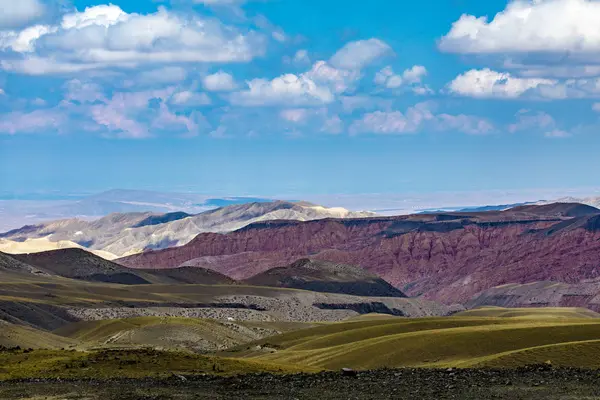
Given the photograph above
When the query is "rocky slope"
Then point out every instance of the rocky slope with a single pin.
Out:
(445, 257)
(541, 294)
(324, 276)
(130, 233)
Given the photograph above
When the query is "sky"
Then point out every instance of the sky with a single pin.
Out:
(299, 97)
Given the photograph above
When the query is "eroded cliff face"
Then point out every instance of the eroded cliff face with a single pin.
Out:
(447, 258)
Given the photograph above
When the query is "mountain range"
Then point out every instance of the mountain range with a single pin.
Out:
(121, 234)
(447, 257)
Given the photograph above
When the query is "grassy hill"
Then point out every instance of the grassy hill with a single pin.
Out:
(561, 336)
(27, 337)
(171, 332)
(530, 313)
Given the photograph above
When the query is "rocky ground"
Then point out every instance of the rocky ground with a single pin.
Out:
(539, 382)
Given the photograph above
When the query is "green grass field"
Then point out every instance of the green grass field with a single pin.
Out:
(529, 313)
(501, 338)
(26, 337)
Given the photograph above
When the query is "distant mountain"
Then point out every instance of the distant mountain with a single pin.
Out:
(558, 209)
(37, 245)
(16, 211)
(131, 233)
(590, 201)
(446, 257)
(324, 276)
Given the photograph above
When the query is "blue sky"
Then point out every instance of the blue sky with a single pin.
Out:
(274, 97)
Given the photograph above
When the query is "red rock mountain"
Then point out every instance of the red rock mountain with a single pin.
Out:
(446, 257)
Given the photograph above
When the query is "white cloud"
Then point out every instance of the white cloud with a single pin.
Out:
(17, 13)
(338, 80)
(2, 92)
(42, 121)
(83, 92)
(125, 113)
(384, 122)
(23, 41)
(357, 55)
(541, 122)
(488, 83)
(289, 89)
(301, 57)
(105, 36)
(414, 74)
(526, 121)
(333, 124)
(417, 118)
(543, 26)
(294, 114)
(557, 133)
(219, 82)
(190, 99)
(410, 77)
(189, 126)
(596, 107)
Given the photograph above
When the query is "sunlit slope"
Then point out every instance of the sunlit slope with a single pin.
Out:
(583, 354)
(531, 313)
(429, 342)
(26, 337)
(171, 332)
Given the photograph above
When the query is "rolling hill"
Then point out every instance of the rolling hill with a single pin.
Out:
(323, 276)
(130, 233)
(457, 341)
(446, 257)
(199, 335)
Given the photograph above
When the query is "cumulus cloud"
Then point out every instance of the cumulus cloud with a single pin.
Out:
(190, 99)
(417, 118)
(288, 89)
(83, 92)
(596, 107)
(541, 26)
(37, 121)
(219, 82)
(356, 55)
(489, 83)
(317, 86)
(17, 13)
(411, 77)
(106, 36)
(529, 121)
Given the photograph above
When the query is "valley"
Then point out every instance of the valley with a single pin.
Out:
(297, 302)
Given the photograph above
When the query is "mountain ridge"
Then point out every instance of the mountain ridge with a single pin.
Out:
(445, 257)
(123, 234)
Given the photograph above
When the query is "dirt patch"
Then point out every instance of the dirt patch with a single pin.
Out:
(526, 383)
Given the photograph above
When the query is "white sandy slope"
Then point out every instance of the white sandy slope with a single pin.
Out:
(120, 235)
(44, 244)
